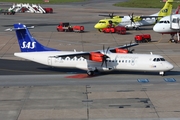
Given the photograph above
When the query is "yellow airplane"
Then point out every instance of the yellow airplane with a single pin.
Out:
(135, 21)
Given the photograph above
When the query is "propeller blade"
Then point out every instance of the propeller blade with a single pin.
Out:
(111, 15)
(107, 50)
(104, 57)
(128, 48)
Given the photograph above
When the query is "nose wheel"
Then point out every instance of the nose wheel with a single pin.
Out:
(162, 73)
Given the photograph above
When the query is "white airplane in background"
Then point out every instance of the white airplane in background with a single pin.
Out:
(109, 59)
(135, 22)
(169, 25)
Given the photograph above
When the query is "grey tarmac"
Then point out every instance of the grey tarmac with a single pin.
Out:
(30, 91)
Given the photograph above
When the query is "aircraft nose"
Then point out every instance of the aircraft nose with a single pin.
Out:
(156, 28)
(96, 26)
(170, 66)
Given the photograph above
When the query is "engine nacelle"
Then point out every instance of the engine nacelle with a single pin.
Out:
(97, 57)
(118, 50)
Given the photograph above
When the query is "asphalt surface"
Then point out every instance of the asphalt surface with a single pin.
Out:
(31, 91)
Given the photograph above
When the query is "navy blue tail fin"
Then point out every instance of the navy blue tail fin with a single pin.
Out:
(26, 42)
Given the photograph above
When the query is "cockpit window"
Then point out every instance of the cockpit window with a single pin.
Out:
(158, 59)
(162, 59)
(164, 21)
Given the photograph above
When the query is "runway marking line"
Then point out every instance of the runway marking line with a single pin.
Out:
(169, 79)
(143, 80)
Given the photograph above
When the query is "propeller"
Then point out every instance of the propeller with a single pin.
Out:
(130, 50)
(132, 18)
(111, 15)
(105, 56)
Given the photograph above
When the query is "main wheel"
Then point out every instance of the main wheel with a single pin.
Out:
(100, 30)
(90, 73)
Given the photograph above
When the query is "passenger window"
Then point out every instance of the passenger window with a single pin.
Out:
(67, 58)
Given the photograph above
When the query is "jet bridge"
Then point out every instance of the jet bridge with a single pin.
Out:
(175, 25)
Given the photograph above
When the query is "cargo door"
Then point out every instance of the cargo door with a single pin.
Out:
(49, 61)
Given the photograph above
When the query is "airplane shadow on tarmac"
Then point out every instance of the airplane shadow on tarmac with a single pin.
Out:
(19, 67)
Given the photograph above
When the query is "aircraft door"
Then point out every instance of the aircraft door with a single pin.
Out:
(49, 61)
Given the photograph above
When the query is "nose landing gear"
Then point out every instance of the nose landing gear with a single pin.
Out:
(162, 73)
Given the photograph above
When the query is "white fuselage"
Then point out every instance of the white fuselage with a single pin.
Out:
(117, 61)
(166, 25)
(129, 24)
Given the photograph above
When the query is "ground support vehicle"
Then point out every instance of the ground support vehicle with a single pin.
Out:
(120, 30)
(117, 29)
(48, 10)
(66, 27)
(7, 12)
(142, 38)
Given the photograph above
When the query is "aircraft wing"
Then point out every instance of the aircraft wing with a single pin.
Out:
(76, 54)
(150, 16)
(111, 16)
(125, 46)
(86, 55)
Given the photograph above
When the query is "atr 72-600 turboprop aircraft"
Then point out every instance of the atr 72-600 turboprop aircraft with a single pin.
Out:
(135, 21)
(169, 25)
(100, 60)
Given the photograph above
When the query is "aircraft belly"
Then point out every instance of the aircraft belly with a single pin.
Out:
(42, 59)
(140, 67)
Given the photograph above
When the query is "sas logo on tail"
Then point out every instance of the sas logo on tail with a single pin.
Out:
(29, 45)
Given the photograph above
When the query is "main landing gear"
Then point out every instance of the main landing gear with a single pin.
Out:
(90, 73)
(173, 40)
